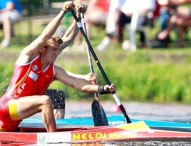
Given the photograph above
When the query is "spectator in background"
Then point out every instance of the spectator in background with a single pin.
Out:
(142, 14)
(120, 13)
(96, 14)
(172, 15)
(112, 24)
(10, 12)
(181, 19)
(164, 15)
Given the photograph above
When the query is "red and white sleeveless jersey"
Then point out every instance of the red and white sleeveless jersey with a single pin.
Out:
(30, 79)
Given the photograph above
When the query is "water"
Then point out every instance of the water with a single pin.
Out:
(135, 110)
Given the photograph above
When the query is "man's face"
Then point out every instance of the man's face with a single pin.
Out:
(52, 52)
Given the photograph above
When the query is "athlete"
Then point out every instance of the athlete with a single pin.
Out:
(35, 70)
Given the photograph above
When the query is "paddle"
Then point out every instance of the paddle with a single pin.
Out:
(100, 66)
(99, 115)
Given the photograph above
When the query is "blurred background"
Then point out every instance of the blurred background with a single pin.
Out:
(145, 67)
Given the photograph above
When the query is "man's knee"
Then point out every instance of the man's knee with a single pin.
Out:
(46, 101)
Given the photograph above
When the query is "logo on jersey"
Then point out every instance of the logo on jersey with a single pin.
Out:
(33, 76)
(35, 67)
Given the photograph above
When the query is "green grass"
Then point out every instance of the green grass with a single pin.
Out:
(158, 75)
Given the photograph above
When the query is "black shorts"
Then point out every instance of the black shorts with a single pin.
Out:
(144, 20)
(58, 98)
(123, 19)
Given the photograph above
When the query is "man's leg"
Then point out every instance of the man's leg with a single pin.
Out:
(28, 106)
(6, 31)
(59, 113)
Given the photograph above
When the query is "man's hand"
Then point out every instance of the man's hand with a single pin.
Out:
(107, 89)
(91, 77)
(68, 6)
(80, 8)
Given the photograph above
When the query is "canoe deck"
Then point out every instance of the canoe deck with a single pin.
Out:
(113, 121)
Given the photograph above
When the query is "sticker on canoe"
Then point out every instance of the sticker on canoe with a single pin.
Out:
(53, 137)
(125, 131)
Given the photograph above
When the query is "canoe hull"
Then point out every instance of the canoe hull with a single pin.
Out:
(103, 134)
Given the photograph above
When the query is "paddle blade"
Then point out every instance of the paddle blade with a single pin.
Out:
(99, 115)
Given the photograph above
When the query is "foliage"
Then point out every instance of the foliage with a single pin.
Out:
(137, 77)
(161, 75)
(5, 76)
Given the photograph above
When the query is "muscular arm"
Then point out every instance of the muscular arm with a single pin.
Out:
(77, 82)
(70, 34)
(33, 49)
(89, 77)
(73, 29)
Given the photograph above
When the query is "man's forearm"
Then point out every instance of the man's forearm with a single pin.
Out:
(72, 31)
(70, 34)
(52, 26)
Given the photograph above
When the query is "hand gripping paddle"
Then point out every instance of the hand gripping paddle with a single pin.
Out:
(99, 115)
(127, 119)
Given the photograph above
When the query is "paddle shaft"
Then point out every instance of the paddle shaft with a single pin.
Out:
(99, 115)
(100, 66)
(88, 51)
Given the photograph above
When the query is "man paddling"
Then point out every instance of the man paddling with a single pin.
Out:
(35, 71)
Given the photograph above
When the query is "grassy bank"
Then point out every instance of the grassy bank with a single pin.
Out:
(140, 77)
(161, 75)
